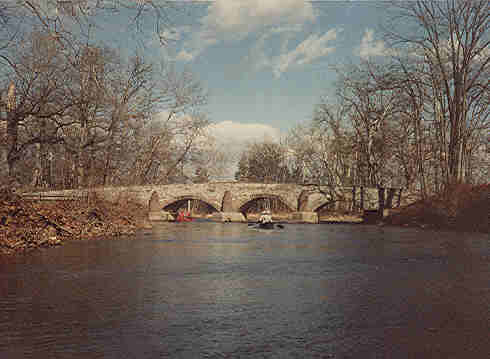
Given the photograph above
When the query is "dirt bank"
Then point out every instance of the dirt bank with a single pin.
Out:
(26, 225)
(460, 208)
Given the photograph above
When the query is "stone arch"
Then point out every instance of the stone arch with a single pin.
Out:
(303, 200)
(316, 202)
(189, 197)
(255, 196)
(315, 207)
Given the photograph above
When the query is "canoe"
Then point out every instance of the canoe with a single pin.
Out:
(267, 226)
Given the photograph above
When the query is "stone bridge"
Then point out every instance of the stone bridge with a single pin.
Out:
(233, 197)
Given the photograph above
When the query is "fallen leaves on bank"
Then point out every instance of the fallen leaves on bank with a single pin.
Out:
(459, 208)
(26, 225)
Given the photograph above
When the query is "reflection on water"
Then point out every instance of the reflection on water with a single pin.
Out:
(215, 290)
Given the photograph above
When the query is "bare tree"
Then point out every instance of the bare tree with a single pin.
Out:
(371, 101)
(174, 130)
(418, 119)
(451, 39)
(130, 101)
(38, 97)
(264, 162)
(78, 102)
(209, 160)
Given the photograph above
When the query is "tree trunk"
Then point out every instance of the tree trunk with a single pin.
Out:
(454, 152)
(361, 205)
(381, 202)
(389, 198)
(81, 153)
(353, 199)
(399, 197)
(12, 139)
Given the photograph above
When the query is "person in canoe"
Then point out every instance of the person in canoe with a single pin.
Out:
(184, 216)
(265, 220)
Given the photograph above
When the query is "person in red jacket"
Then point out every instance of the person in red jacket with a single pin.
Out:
(183, 216)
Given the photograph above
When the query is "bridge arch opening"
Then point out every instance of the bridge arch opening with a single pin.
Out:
(258, 203)
(196, 206)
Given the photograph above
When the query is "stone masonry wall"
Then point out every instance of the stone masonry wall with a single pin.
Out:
(212, 193)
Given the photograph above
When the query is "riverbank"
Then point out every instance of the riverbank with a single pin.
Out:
(26, 225)
(462, 208)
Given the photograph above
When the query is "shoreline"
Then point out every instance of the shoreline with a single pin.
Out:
(29, 225)
(43, 239)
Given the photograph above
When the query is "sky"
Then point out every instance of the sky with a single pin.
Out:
(266, 63)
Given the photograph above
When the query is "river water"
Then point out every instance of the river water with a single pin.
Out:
(212, 290)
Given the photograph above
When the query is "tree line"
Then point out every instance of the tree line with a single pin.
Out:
(415, 118)
(76, 112)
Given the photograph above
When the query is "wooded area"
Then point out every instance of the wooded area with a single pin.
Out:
(417, 118)
(75, 112)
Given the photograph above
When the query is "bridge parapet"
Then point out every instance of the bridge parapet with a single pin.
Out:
(296, 197)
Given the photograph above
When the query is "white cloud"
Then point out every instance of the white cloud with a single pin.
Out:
(198, 42)
(312, 48)
(234, 136)
(369, 47)
(249, 15)
(309, 50)
(170, 35)
(235, 19)
(183, 55)
(287, 28)
(238, 134)
(257, 57)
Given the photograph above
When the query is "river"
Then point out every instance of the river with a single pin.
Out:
(213, 290)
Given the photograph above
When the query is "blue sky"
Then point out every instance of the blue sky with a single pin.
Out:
(267, 62)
